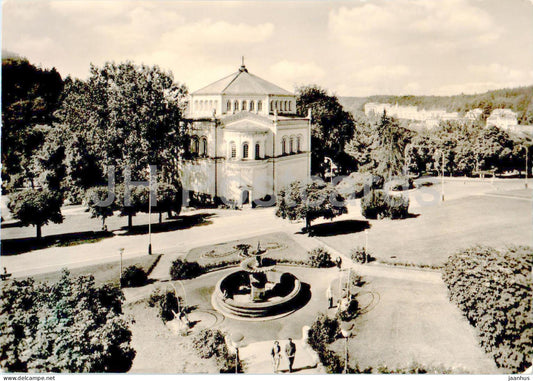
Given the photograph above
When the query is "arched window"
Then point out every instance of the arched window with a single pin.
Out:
(257, 151)
(228, 106)
(245, 151)
(290, 106)
(233, 150)
(194, 145)
(291, 145)
(243, 105)
(203, 147)
(276, 105)
(252, 105)
(284, 146)
(286, 106)
(272, 106)
(299, 144)
(259, 106)
(236, 106)
(210, 105)
(195, 105)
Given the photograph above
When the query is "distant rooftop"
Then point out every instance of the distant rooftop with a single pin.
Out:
(242, 82)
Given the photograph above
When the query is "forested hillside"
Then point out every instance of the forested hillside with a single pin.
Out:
(518, 99)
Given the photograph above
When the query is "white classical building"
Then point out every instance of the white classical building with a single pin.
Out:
(247, 142)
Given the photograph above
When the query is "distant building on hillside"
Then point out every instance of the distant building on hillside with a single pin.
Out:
(502, 118)
(473, 114)
(430, 117)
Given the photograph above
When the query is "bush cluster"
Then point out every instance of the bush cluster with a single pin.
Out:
(319, 257)
(134, 276)
(324, 331)
(494, 290)
(166, 302)
(181, 269)
(359, 255)
(378, 204)
(211, 343)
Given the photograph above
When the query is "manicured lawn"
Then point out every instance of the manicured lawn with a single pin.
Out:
(440, 230)
(105, 272)
(278, 246)
(409, 321)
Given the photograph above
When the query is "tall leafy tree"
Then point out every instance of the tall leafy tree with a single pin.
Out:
(129, 115)
(332, 126)
(30, 95)
(309, 202)
(36, 207)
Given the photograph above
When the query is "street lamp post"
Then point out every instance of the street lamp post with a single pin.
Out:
(121, 251)
(527, 167)
(236, 341)
(442, 178)
(150, 211)
(346, 330)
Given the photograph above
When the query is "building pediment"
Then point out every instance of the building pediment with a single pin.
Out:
(250, 125)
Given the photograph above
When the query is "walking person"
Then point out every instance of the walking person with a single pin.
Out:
(276, 356)
(338, 262)
(290, 350)
(329, 295)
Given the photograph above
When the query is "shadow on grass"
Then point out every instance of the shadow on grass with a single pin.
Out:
(179, 223)
(12, 224)
(339, 228)
(23, 245)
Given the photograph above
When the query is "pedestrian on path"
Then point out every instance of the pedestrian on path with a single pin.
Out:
(329, 295)
(276, 356)
(290, 350)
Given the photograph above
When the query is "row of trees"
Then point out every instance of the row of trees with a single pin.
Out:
(383, 147)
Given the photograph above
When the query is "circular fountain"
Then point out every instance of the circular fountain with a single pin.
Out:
(257, 291)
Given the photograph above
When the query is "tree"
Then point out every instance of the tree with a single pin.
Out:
(50, 161)
(130, 205)
(30, 95)
(332, 126)
(69, 326)
(309, 202)
(36, 207)
(129, 115)
(96, 198)
(168, 200)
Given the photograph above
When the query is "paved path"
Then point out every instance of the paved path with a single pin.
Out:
(257, 358)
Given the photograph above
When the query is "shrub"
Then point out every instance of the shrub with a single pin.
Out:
(399, 184)
(134, 276)
(494, 290)
(63, 327)
(185, 270)
(357, 183)
(166, 302)
(359, 255)
(378, 204)
(211, 343)
(323, 331)
(319, 257)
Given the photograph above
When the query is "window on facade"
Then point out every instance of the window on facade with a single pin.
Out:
(257, 151)
(276, 105)
(236, 106)
(299, 144)
(233, 149)
(243, 105)
(259, 106)
(194, 145)
(203, 147)
(228, 105)
(195, 105)
(272, 106)
(245, 151)
(284, 146)
(252, 105)
(290, 106)
(291, 145)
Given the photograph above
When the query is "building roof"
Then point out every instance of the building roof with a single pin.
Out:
(242, 82)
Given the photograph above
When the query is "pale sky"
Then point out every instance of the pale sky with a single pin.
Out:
(352, 48)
